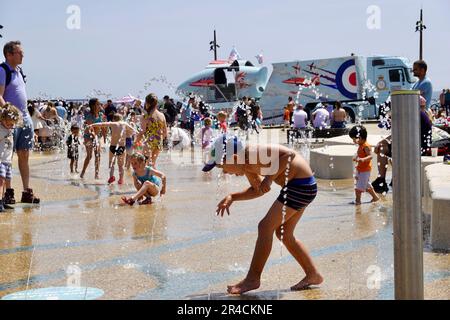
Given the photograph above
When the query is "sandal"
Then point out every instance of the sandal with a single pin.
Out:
(128, 201)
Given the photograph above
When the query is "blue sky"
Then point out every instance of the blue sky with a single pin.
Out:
(121, 46)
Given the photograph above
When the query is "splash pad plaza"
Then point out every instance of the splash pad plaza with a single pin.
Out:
(91, 238)
(81, 243)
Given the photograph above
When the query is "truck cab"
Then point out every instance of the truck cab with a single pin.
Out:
(388, 74)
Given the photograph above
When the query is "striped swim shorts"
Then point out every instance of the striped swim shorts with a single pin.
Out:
(5, 170)
(298, 193)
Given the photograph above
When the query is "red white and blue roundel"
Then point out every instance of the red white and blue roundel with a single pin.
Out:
(346, 80)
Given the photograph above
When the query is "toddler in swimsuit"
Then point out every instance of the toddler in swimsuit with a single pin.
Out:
(148, 181)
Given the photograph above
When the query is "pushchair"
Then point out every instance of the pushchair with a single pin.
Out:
(51, 136)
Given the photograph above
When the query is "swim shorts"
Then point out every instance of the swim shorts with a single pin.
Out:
(118, 151)
(298, 193)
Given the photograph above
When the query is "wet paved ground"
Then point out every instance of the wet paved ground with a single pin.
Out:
(178, 249)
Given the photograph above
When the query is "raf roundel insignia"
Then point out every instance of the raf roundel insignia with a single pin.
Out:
(346, 81)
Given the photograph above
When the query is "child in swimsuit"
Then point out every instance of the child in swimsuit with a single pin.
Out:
(120, 130)
(290, 171)
(153, 129)
(73, 142)
(91, 137)
(148, 181)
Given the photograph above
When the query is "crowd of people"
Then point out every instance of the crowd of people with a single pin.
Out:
(134, 131)
(325, 116)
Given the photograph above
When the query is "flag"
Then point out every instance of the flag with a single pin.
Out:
(260, 58)
(234, 55)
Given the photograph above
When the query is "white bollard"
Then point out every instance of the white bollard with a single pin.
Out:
(407, 216)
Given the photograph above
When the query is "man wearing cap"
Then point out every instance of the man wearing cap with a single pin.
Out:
(290, 171)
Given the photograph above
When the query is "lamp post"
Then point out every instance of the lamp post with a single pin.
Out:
(214, 46)
(420, 27)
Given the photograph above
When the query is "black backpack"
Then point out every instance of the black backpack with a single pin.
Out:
(8, 74)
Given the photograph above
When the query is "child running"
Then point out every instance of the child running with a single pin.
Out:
(288, 169)
(9, 117)
(120, 130)
(73, 143)
(148, 181)
(364, 167)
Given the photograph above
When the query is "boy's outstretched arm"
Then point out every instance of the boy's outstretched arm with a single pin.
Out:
(248, 194)
(102, 125)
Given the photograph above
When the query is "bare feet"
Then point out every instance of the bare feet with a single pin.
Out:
(375, 199)
(244, 286)
(308, 281)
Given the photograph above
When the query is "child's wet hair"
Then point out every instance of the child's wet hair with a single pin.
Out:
(358, 132)
(208, 122)
(10, 112)
(151, 101)
(117, 117)
(222, 115)
(92, 103)
(138, 156)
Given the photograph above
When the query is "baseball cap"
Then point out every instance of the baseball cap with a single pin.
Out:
(222, 146)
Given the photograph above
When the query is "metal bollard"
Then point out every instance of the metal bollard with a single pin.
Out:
(407, 216)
